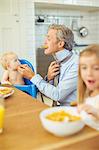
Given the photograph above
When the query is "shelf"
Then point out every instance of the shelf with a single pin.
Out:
(80, 7)
(53, 19)
(42, 23)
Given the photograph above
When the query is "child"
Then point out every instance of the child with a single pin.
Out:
(11, 75)
(88, 83)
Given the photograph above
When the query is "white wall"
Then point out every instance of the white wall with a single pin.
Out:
(17, 16)
(27, 31)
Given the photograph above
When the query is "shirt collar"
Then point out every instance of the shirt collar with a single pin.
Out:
(61, 55)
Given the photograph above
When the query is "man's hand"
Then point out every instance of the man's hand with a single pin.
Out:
(53, 70)
(26, 71)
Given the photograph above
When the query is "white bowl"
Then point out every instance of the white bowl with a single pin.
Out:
(63, 128)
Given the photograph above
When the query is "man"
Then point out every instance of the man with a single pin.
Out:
(59, 43)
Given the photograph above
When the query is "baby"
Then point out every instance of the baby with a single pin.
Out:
(11, 75)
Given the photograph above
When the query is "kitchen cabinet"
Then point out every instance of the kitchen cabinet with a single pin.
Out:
(89, 5)
(55, 1)
(72, 2)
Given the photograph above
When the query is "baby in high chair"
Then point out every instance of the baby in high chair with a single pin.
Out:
(11, 75)
(88, 85)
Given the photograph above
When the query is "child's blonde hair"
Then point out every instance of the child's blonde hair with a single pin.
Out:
(6, 58)
(82, 91)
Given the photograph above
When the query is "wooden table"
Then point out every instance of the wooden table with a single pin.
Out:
(23, 129)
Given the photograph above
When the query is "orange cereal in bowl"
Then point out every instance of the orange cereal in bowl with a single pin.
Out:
(61, 121)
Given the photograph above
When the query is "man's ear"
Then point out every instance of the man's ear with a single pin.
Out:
(61, 44)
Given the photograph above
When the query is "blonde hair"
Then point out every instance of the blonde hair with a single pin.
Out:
(6, 58)
(82, 91)
(65, 34)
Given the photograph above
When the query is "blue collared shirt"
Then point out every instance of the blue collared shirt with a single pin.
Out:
(65, 91)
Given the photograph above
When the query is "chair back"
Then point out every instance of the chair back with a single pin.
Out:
(29, 87)
(24, 61)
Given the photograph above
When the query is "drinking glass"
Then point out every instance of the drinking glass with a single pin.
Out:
(2, 111)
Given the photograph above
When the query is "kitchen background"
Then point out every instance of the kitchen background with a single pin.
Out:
(71, 16)
(24, 24)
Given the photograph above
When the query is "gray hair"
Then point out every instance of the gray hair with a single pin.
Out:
(64, 34)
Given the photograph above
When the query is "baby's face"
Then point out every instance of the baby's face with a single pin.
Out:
(14, 63)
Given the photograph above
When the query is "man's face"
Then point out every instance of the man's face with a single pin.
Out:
(52, 43)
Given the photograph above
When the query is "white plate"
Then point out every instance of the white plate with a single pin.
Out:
(87, 119)
(6, 95)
